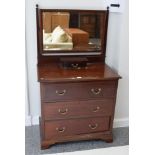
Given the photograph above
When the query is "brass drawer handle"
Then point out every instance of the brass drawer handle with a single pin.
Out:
(96, 109)
(93, 126)
(61, 129)
(74, 65)
(96, 91)
(63, 112)
(60, 93)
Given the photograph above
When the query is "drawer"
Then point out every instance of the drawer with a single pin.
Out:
(75, 127)
(98, 90)
(63, 110)
(82, 90)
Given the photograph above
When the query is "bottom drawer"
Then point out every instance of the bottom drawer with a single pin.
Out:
(75, 126)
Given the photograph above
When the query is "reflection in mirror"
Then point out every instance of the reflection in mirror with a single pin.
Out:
(71, 31)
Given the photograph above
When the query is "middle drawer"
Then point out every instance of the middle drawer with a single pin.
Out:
(63, 110)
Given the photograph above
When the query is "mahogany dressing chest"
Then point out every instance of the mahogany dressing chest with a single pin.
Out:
(78, 90)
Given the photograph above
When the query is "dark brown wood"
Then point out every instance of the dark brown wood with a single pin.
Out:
(76, 103)
(109, 140)
(105, 136)
(66, 99)
(71, 127)
(105, 30)
(94, 72)
(73, 63)
(113, 112)
(68, 91)
(43, 147)
(76, 109)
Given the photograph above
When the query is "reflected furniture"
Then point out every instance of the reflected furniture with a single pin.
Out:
(79, 37)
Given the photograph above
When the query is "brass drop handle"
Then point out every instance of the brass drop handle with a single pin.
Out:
(93, 126)
(61, 129)
(74, 65)
(61, 92)
(96, 91)
(96, 109)
(63, 112)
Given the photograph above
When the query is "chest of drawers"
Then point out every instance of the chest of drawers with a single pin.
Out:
(76, 104)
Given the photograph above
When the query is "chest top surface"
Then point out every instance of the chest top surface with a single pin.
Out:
(93, 72)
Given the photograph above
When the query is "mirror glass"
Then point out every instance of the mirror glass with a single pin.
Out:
(69, 31)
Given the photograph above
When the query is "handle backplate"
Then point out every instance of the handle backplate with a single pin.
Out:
(93, 126)
(61, 129)
(96, 91)
(60, 92)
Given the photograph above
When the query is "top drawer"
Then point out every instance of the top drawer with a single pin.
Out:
(51, 92)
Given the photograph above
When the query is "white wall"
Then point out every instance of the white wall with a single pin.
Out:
(117, 52)
(118, 59)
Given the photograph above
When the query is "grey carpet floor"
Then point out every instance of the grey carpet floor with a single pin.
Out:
(32, 142)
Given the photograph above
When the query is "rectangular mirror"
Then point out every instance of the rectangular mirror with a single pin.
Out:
(72, 31)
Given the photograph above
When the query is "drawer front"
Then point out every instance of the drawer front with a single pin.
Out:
(63, 110)
(75, 126)
(98, 90)
(83, 90)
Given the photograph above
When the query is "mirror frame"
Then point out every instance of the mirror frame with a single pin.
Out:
(103, 34)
